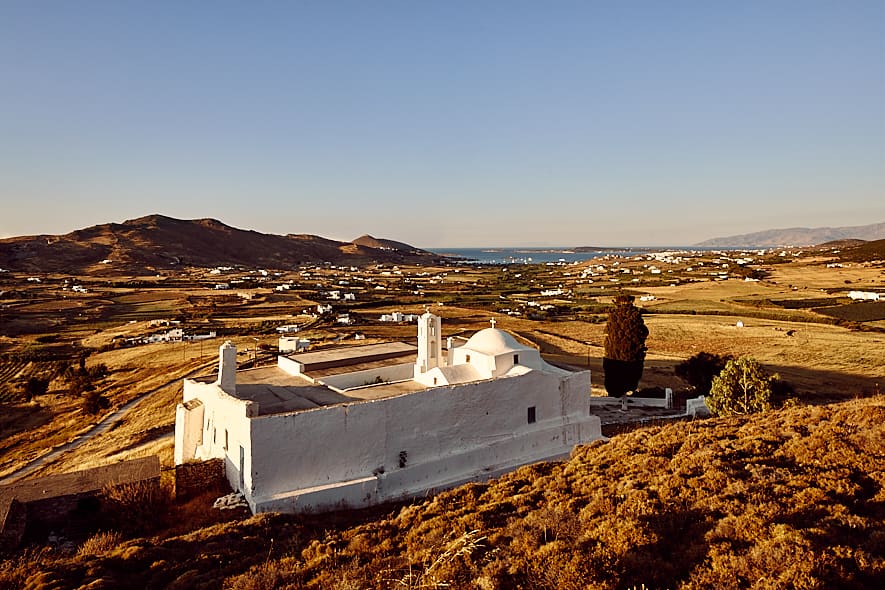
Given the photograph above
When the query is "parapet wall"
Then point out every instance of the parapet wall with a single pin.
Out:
(429, 439)
(368, 377)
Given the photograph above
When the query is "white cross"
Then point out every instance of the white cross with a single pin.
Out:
(493, 322)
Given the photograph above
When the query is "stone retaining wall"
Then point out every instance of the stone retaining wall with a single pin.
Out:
(196, 476)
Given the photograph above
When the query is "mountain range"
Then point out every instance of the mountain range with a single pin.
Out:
(798, 236)
(156, 242)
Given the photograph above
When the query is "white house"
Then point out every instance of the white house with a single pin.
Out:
(292, 344)
(863, 296)
(361, 425)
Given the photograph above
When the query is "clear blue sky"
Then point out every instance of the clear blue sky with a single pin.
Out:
(445, 123)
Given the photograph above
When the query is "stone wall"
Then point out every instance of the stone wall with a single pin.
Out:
(196, 476)
(12, 524)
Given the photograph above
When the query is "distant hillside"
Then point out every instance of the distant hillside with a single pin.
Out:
(864, 252)
(785, 499)
(157, 242)
(798, 236)
(382, 244)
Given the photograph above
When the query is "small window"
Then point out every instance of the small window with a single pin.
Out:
(467, 359)
(214, 432)
(531, 415)
(226, 439)
(515, 359)
(434, 380)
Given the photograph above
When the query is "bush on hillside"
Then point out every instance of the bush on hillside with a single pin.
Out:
(700, 370)
(743, 387)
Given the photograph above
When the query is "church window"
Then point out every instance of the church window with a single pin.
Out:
(515, 359)
(434, 380)
(531, 415)
(467, 359)
(226, 440)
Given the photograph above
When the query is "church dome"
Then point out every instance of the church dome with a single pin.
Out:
(493, 341)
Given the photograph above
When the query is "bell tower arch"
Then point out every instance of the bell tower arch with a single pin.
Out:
(429, 343)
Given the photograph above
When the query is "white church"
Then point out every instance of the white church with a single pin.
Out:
(362, 425)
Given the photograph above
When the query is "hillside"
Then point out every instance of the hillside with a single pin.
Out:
(793, 498)
(798, 236)
(382, 244)
(865, 252)
(157, 242)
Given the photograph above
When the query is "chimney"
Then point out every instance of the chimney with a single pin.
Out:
(227, 368)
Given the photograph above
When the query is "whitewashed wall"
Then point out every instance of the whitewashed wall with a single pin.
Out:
(351, 453)
(225, 423)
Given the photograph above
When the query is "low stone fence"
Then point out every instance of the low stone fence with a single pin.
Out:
(665, 402)
(13, 518)
(197, 476)
(52, 502)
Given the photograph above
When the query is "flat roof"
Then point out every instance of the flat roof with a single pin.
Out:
(360, 366)
(346, 354)
(276, 391)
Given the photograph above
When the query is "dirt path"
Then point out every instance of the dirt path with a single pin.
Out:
(103, 426)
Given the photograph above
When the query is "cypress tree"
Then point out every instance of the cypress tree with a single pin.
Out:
(625, 335)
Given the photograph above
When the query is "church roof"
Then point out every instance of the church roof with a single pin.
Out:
(460, 374)
(493, 341)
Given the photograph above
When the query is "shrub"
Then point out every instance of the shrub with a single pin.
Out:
(135, 507)
(742, 387)
(94, 402)
(700, 370)
(100, 543)
(36, 386)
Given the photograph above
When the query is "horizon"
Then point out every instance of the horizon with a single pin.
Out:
(524, 246)
(446, 124)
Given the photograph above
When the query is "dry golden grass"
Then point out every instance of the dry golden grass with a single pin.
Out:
(794, 498)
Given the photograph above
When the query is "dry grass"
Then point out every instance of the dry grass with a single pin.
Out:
(793, 498)
(100, 543)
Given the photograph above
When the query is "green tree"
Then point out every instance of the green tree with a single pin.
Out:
(700, 370)
(625, 335)
(743, 387)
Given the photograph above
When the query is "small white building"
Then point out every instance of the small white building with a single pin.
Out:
(288, 329)
(398, 317)
(863, 296)
(361, 425)
(289, 344)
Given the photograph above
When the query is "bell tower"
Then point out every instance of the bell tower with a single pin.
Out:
(429, 343)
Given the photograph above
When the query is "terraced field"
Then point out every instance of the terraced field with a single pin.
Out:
(9, 371)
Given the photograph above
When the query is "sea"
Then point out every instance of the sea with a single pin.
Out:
(534, 255)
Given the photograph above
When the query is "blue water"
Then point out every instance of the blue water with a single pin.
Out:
(531, 255)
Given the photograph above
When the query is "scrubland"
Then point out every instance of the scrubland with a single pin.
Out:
(794, 498)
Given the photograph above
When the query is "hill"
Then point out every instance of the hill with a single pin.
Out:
(865, 252)
(155, 242)
(793, 498)
(798, 236)
(382, 244)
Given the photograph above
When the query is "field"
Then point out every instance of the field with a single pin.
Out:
(796, 320)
